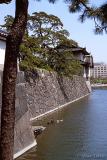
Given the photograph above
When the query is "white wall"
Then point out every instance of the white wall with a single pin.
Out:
(2, 51)
(2, 54)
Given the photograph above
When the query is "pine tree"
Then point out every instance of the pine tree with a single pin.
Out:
(14, 40)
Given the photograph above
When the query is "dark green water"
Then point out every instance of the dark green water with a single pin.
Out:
(81, 136)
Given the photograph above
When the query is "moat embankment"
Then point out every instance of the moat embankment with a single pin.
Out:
(40, 93)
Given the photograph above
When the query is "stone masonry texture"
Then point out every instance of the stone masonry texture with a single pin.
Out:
(47, 90)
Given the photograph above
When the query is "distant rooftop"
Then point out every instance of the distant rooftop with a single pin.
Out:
(79, 49)
(99, 63)
(73, 48)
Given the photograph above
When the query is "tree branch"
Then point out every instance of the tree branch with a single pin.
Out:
(5, 1)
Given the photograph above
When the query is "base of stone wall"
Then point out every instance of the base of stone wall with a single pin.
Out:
(55, 109)
(25, 150)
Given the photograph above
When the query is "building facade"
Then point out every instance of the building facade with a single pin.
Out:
(3, 36)
(99, 70)
(80, 54)
(86, 60)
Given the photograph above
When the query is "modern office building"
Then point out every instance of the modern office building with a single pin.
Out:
(99, 70)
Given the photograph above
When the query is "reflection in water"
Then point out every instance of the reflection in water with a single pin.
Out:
(82, 135)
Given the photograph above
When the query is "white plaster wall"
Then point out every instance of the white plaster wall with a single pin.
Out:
(2, 51)
(84, 73)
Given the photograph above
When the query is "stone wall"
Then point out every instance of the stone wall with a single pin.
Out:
(46, 91)
(24, 137)
(36, 94)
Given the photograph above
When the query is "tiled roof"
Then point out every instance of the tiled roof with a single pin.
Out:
(73, 48)
(79, 49)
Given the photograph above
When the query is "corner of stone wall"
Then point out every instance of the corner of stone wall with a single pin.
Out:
(24, 138)
(88, 85)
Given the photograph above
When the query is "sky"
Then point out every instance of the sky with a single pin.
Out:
(83, 33)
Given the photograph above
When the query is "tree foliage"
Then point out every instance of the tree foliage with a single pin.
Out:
(39, 47)
(87, 10)
(31, 54)
(5, 1)
(8, 23)
(47, 28)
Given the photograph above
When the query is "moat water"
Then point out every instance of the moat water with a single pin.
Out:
(81, 133)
